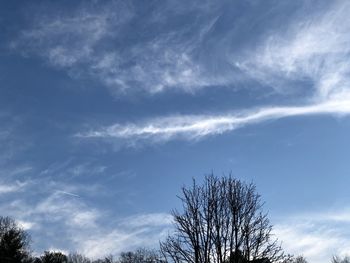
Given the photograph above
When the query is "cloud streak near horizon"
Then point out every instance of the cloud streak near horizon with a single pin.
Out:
(316, 235)
(70, 223)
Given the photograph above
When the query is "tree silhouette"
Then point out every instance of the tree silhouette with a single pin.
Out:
(337, 259)
(223, 222)
(14, 242)
(299, 259)
(54, 257)
(140, 256)
(78, 258)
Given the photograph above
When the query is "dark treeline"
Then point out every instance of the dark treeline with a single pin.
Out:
(221, 221)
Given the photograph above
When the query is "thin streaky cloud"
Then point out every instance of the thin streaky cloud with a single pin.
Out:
(67, 193)
(26, 225)
(154, 219)
(316, 235)
(76, 225)
(13, 187)
(4, 189)
(197, 127)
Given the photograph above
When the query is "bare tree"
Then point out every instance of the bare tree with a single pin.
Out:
(298, 259)
(53, 257)
(141, 255)
(337, 259)
(223, 222)
(78, 258)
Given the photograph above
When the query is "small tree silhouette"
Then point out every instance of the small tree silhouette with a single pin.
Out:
(14, 242)
(54, 257)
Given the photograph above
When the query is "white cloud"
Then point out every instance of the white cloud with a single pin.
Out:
(11, 140)
(197, 127)
(92, 41)
(129, 234)
(63, 220)
(26, 225)
(67, 193)
(73, 168)
(68, 209)
(96, 41)
(71, 39)
(12, 188)
(8, 188)
(318, 235)
(113, 242)
(315, 47)
(154, 219)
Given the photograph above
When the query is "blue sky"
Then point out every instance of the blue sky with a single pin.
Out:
(107, 108)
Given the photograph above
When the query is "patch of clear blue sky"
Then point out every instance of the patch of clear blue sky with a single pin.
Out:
(297, 163)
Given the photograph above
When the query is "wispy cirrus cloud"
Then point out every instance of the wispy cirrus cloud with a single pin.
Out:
(11, 139)
(309, 56)
(61, 217)
(316, 235)
(315, 48)
(197, 127)
(110, 43)
(130, 233)
(12, 188)
(314, 53)
(155, 219)
(71, 39)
